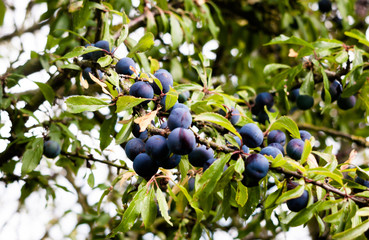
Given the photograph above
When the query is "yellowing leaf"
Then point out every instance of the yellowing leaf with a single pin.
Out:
(145, 121)
(292, 53)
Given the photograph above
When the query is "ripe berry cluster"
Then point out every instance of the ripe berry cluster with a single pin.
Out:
(150, 150)
(303, 102)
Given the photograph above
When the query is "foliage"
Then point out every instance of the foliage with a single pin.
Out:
(224, 53)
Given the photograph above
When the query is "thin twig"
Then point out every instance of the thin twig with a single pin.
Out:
(357, 139)
(323, 185)
(19, 32)
(90, 158)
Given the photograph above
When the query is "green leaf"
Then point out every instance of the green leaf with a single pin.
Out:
(334, 218)
(163, 4)
(272, 198)
(208, 181)
(327, 98)
(307, 87)
(175, 31)
(282, 39)
(278, 161)
(184, 166)
(351, 90)
(352, 233)
(252, 202)
(151, 23)
(144, 44)
(196, 232)
(154, 66)
(47, 91)
(71, 66)
(241, 194)
(188, 87)
(342, 56)
(287, 124)
(2, 12)
(32, 155)
(132, 212)
(193, 204)
(163, 206)
(306, 152)
(214, 29)
(78, 104)
(105, 193)
(325, 43)
(66, 130)
(358, 35)
(123, 133)
(123, 35)
(176, 69)
(230, 138)
(270, 68)
(363, 212)
(320, 171)
(164, 21)
(361, 173)
(105, 61)
(227, 176)
(106, 25)
(91, 180)
(128, 102)
(219, 120)
(170, 99)
(82, 16)
(157, 81)
(321, 224)
(149, 209)
(78, 51)
(304, 215)
(106, 131)
(113, 78)
(291, 194)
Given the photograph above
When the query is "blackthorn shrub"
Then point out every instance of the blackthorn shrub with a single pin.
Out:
(200, 155)
(299, 203)
(165, 79)
(276, 136)
(179, 117)
(304, 102)
(304, 135)
(181, 141)
(295, 147)
(335, 90)
(51, 149)
(141, 89)
(279, 146)
(169, 162)
(346, 103)
(183, 96)
(144, 166)
(271, 151)
(136, 132)
(123, 66)
(325, 6)
(251, 135)
(157, 147)
(134, 147)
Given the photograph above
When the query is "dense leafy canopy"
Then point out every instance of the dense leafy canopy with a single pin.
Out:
(224, 74)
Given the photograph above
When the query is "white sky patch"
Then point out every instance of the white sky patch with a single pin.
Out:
(208, 48)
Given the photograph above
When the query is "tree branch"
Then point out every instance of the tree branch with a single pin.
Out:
(361, 141)
(323, 185)
(19, 32)
(90, 158)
